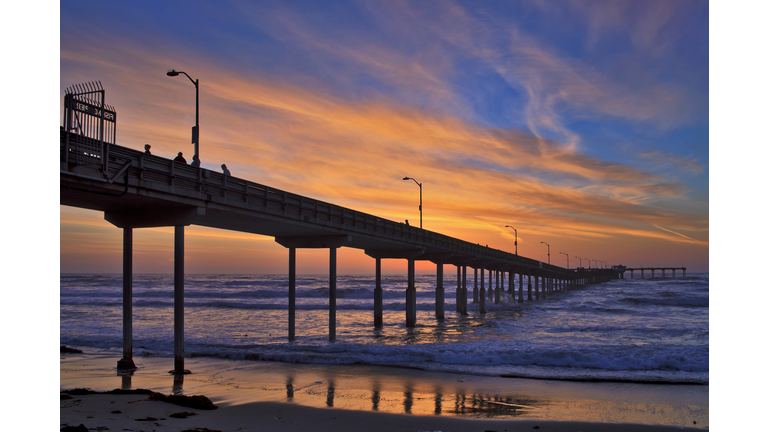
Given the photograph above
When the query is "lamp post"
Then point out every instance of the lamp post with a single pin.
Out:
(547, 252)
(420, 212)
(579, 262)
(515, 237)
(589, 262)
(196, 129)
(567, 261)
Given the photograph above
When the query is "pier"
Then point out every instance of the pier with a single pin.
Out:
(653, 270)
(135, 190)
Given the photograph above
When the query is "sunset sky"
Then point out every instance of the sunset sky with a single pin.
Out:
(583, 124)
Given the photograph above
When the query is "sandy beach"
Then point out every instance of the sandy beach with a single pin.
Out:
(269, 396)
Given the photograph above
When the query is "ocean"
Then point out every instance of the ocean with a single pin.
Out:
(652, 330)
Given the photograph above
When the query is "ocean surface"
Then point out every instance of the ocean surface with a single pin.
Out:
(635, 330)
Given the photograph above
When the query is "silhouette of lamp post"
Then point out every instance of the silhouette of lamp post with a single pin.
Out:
(567, 261)
(196, 129)
(515, 237)
(420, 213)
(579, 262)
(589, 262)
(547, 252)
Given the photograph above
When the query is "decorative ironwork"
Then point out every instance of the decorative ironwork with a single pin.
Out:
(89, 126)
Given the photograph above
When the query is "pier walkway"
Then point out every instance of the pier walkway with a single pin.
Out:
(653, 270)
(135, 190)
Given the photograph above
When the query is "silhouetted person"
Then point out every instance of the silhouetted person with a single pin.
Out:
(225, 170)
(406, 222)
(195, 161)
(146, 149)
(180, 158)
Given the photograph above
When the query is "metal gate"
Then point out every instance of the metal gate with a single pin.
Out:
(89, 126)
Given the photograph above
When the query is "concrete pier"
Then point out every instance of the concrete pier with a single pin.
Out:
(291, 294)
(464, 290)
(378, 298)
(410, 295)
(178, 300)
(127, 361)
(332, 295)
(481, 296)
(439, 293)
(135, 190)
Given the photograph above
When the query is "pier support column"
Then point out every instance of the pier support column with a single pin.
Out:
(481, 296)
(464, 290)
(332, 295)
(178, 299)
(530, 282)
(458, 289)
(378, 298)
(127, 361)
(410, 295)
(474, 292)
(497, 298)
(291, 294)
(490, 285)
(439, 293)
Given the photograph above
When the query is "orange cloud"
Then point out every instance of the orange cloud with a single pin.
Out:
(314, 142)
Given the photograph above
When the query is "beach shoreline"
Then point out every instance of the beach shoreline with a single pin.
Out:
(385, 397)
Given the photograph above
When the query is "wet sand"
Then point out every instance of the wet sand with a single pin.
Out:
(282, 396)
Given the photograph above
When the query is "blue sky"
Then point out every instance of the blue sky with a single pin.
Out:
(581, 123)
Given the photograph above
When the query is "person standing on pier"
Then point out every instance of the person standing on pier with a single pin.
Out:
(225, 170)
(180, 158)
(195, 161)
(146, 149)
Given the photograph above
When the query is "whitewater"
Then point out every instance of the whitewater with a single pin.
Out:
(633, 330)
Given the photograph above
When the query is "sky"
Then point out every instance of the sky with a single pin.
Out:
(582, 124)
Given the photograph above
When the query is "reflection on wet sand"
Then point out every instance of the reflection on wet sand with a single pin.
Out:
(411, 401)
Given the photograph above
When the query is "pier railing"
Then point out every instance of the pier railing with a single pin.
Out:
(163, 174)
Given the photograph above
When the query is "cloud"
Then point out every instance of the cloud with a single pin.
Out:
(303, 133)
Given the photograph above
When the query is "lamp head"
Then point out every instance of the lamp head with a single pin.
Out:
(172, 72)
(406, 178)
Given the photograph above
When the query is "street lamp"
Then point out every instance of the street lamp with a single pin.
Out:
(196, 129)
(420, 212)
(547, 252)
(567, 261)
(515, 237)
(589, 262)
(579, 262)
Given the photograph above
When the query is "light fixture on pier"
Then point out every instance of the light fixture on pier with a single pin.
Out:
(196, 128)
(508, 226)
(420, 212)
(548, 262)
(567, 261)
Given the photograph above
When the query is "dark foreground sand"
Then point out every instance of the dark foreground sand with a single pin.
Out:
(268, 396)
(136, 413)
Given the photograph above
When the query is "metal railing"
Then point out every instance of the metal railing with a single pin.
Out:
(155, 172)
